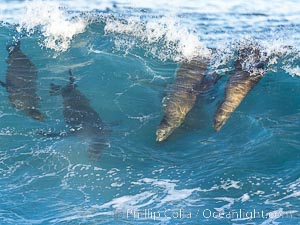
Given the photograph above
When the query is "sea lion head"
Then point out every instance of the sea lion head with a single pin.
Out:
(165, 129)
(13, 47)
(221, 116)
(35, 114)
(163, 132)
(248, 56)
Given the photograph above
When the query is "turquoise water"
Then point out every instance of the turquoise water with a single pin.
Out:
(248, 173)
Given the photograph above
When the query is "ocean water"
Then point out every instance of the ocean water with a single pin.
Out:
(123, 55)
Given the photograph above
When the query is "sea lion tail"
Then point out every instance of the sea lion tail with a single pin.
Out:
(14, 46)
(238, 65)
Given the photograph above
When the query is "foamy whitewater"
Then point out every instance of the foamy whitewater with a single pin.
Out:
(124, 55)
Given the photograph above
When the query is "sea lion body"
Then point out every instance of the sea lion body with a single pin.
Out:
(21, 77)
(182, 96)
(81, 118)
(248, 72)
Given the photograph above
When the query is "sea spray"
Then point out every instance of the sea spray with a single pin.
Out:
(55, 24)
(164, 38)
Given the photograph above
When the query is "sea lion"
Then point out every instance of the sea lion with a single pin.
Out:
(189, 83)
(249, 69)
(21, 77)
(80, 117)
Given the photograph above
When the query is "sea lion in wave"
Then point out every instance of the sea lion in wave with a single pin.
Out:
(20, 82)
(189, 83)
(249, 69)
(80, 117)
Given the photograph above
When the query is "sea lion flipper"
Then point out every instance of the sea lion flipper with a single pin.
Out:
(47, 134)
(217, 77)
(54, 135)
(54, 89)
(3, 84)
(208, 82)
(71, 77)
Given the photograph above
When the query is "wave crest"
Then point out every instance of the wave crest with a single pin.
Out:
(55, 24)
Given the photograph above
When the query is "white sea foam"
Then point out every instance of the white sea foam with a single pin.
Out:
(278, 52)
(230, 202)
(245, 197)
(130, 201)
(163, 37)
(294, 71)
(276, 214)
(54, 22)
(169, 188)
(230, 184)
